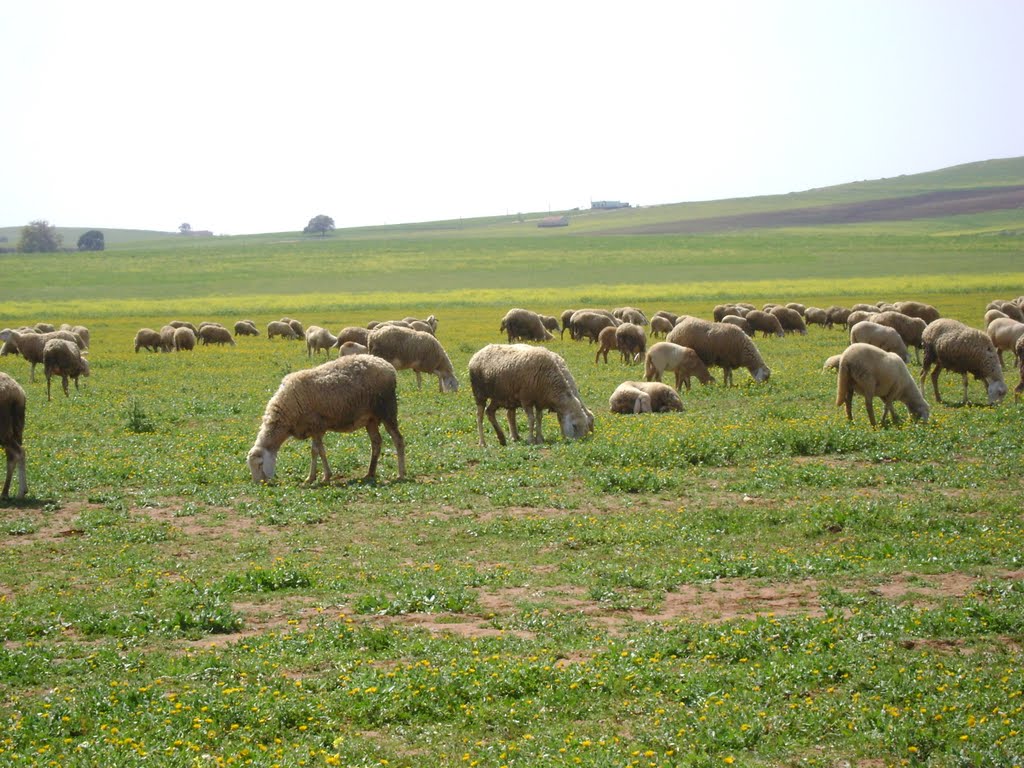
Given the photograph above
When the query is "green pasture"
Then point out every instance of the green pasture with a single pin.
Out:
(752, 582)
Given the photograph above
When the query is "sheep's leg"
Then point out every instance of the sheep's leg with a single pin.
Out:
(848, 402)
(48, 388)
(964, 401)
(10, 474)
(32, 373)
(316, 448)
(538, 432)
(935, 382)
(513, 427)
(480, 423)
(869, 406)
(727, 376)
(419, 380)
(491, 409)
(531, 418)
(64, 383)
(399, 443)
(375, 443)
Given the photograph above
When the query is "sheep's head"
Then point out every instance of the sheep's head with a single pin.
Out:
(262, 463)
(996, 391)
(449, 383)
(762, 374)
(919, 409)
(576, 421)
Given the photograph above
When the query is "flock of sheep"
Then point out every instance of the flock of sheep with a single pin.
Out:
(358, 389)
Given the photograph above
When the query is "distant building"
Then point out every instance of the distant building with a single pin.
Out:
(607, 205)
(554, 221)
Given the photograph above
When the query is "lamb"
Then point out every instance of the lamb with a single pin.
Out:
(353, 333)
(215, 334)
(536, 379)
(682, 361)
(873, 372)
(605, 343)
(184, 339)
(660, 326)
(952, 345)
(246, 328)
(282, 329)
(790, 319)
(881, 336)
(317, 339)
(589, 324)
(405, 348)
(909, 328)
(926, 312)
(30, 345)
(343, 395)
(12, 430)
(644, 397)
(1004, 333)
(631, 341)
(63, 358)
(352, 348)
(765, 322)
(739, 322)
(723, 345)
(523, 324)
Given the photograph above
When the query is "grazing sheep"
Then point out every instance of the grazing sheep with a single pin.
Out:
(589, 324)
(837, 316)
(670, 316)
(816, 316)
(926, 312)
(430, 322)
(30, 345)
(909, 328)
(660, 326)
(721, 311)
(184, 339)
(215, 334)
(536, 379)
(184, 324)
(765, 322)
(147, 338)
(862, 307)
(353, 333)
(630, 315)
(1009, 308)
(318, 338)
(44, 328)
(797, 307)
(832, 363)
(525, 325)
(405, 348)
(296, 326)
(631, 341)
(949, 344)
(739, 322)
(682, 361)
(63, 358)
(12, 430)
(994, 314)
(721, 344)
(790, 319)
(352, 348)
(1004, 332)
(282, 329)
(605, 343)
(343, 395)
(644, 397)
(857, 316)
(873, 372)
(881, 336)
(81, 330)
(246, 328)
(565, 317)
(550, 323)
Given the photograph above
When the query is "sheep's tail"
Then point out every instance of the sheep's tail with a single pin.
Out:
(12, 421)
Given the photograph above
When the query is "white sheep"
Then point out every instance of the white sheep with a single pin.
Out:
(81, 330)
(352, 348)
(949, 344)
(739, 322)
(881, 336)
(63, 358)
(296, 326)
(791, 320)
(586, 322)
(631, 341)
(722, 345)
(343, 395)
(406, 349)
(660, 326)
(282, 329)
(682, 361)
(644, 397)
(30, 345)
(909, 328)
(1004, 332)
(816, 316)
(354, 333)
(767, 323)
(605, 343)
(214, 334)
(536, 379)
(832, 363)
(184, 339)
(519, 323)
(317, 339)
(926, 312)
(12, 430)
(246, 328)
(147, 338)
(873, 372)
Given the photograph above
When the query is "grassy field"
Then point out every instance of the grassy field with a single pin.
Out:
(752, 582)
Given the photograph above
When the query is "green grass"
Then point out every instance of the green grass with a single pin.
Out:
(754, 581)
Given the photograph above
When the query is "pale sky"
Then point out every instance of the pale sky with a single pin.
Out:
(243, 117)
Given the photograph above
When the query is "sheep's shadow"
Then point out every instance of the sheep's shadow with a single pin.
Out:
(30, 503)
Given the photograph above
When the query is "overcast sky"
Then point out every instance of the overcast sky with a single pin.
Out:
(253, 116)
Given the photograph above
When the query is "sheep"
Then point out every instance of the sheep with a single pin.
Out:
(857, 316)
(352, 333)
(765, 322)
(44, 328)
(430, 322)
(816, 316)
(147, 338)
(1018, 350)
(280, 328)
(589, 324)
(909, 328)
(352, 348)
(723, 345)
(832, 363)
(30, 345)
(167, 336)
(536, 379)
(184, 339)
(790, 319)
(63, 358)
(565, 317)
(952, 345)
(1004, 333)
(631, 341)
(660, 326)
(644, 397)
(926, 312)
(797, 307)
(630, 315)
(523, 324)
(1008, 308)
(184, 324)
(862, 307)
(81, 330)
(343, 395)
(405, 348)
(722, 310)
(837, 316)
(670, 316)
(215, 334)
(682, 361)
(550, 323)
(881, 336)
(873, 372)
(296, 326)
(317, 339)
(246, 328)
(739, 322)
(994, 314)
(605, 343)
(12, 430)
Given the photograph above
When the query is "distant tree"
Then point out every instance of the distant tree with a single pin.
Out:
(185, 228)
(322, 224)
(39, 237)
(91, 241)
